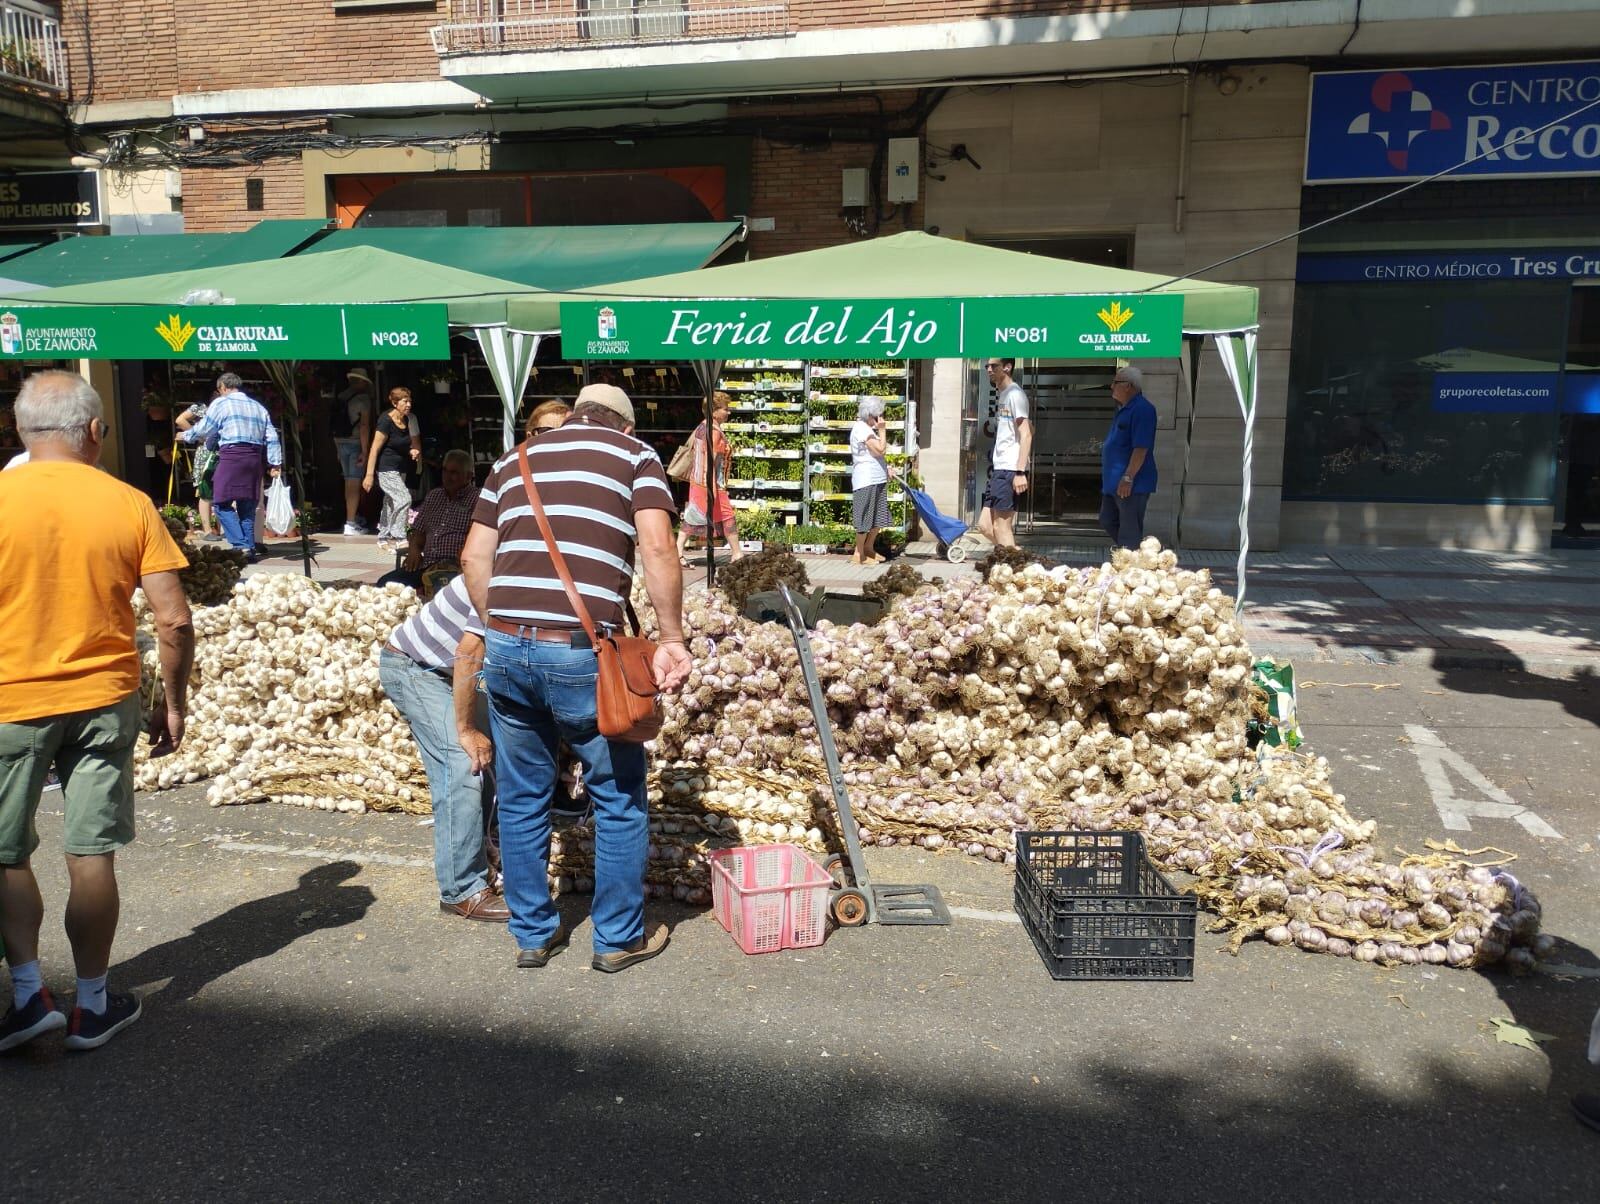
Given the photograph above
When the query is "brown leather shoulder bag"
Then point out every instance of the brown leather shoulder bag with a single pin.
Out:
(627, 703)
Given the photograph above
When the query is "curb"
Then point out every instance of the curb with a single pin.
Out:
(1431, 658)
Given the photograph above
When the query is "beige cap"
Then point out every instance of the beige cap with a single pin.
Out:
(358, 374)
(613, 398)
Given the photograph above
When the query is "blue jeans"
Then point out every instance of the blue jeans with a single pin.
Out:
(1122, 518)
(238, 521)
(539, 694)
(424, 698)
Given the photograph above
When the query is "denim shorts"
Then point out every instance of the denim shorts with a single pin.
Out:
(999, 496)
(350, 462)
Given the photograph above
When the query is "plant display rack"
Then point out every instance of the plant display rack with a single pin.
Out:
(790, 426)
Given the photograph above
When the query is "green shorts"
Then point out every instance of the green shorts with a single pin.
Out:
(92, 752)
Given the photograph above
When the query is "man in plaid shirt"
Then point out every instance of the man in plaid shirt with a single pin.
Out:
(444, 518)
(247, 443)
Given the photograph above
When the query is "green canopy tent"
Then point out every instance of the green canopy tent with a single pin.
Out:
(915, 296)
(361, 303)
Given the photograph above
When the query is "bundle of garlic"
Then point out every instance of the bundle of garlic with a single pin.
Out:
(287, 667)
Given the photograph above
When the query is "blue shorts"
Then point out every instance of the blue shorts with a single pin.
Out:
(999, 496)
(350, 463)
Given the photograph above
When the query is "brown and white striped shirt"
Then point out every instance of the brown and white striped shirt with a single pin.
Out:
(592, 481)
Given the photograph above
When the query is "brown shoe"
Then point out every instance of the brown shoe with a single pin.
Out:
(485, 905)
(533, 959)
(643, 950)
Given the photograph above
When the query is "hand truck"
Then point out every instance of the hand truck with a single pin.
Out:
(854, 900)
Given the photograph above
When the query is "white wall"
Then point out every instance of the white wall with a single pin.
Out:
(1103, 158)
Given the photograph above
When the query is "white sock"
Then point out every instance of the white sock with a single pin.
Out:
(25, 982)
(92, 994)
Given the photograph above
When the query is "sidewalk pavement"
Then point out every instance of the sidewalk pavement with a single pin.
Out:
(1439, 607)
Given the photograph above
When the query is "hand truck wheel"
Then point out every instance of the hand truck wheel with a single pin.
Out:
(849, 908)
(834, 863)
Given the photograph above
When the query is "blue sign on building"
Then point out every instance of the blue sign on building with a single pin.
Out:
(1368, 126)
(1409, 267)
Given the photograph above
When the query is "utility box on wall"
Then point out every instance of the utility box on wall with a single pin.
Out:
(904, 168)
(854, 188)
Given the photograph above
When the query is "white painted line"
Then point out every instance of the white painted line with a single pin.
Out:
(988, 917)
(317, 854)
(1438, 761)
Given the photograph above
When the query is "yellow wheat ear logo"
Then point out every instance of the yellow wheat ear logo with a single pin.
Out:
(177, 333)
(1116, 317)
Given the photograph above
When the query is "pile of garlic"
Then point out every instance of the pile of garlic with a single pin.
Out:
(1065, 698)
(285, 673)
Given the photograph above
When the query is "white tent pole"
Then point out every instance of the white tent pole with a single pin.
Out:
(510, 355)
(1238, 354)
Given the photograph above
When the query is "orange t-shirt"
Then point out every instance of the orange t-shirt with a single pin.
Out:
(74, 542)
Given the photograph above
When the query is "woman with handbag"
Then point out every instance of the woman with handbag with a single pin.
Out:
(710, 510)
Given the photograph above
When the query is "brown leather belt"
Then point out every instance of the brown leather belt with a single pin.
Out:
(571, 637)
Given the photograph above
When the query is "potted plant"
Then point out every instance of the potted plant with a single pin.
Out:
(756, 526)
(308, 516)
(441, 379)
(182, 515)
(156, 407)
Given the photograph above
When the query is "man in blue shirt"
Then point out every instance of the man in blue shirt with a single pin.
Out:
(1127, 465)
(247, 443)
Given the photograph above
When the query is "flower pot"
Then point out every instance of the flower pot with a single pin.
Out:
(751, 545)
(441, 387)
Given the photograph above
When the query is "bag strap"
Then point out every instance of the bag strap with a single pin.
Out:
(560, 561)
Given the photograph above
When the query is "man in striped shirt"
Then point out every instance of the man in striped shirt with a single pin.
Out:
(429, 670)
(604, 493)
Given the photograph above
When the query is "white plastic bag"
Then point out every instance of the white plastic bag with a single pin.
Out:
(280, 508)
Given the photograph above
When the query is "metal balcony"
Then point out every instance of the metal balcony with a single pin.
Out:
(31, 53)
(511, 26)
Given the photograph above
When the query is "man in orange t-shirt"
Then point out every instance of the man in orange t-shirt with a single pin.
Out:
(74, 545)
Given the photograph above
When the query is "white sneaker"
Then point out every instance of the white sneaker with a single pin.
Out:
(354, 529)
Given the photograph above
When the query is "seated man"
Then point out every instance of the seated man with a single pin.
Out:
(433, 552)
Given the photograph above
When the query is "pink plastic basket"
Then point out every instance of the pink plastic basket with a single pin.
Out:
(770, 897)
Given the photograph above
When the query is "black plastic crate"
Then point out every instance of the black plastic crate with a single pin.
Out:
(1097, 909)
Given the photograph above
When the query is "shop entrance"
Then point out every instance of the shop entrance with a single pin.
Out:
(1070, 404)
(1577, 486)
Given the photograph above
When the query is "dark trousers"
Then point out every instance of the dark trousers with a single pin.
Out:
(1122, 518)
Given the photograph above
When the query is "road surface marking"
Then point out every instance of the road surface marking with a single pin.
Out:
(1437, 762)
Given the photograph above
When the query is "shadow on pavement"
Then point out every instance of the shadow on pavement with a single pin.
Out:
(1578, 694)
(221, 1104)
(246, 933)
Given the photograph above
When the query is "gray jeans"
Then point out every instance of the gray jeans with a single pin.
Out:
(396, 504)
(1122, 518)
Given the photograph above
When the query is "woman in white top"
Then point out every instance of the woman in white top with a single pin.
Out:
(869, 479)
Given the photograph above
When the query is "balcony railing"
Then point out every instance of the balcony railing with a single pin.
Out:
(508, 26)
(30, 45)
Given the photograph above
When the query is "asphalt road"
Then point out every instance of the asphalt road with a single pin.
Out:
(314, 1027)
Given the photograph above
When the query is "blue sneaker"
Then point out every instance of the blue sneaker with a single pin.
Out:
(35, 1018)
(91, 1031)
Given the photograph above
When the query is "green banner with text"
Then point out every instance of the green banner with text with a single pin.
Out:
(1077, 327)
(262, 332)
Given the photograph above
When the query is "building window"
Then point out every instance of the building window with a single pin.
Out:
(1433, 392)
(255, 194)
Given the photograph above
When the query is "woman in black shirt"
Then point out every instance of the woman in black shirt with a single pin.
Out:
(392, 444)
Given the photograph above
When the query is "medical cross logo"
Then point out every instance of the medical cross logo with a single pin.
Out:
(1400, 114)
